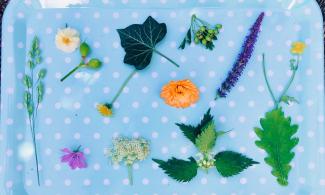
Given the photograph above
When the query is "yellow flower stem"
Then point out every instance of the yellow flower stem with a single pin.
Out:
(71, 72)
(291, 79)
(123, 86)
(284, 92)
(268, 82)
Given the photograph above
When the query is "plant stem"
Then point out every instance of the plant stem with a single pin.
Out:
(276, 103)
(130, 174)
(167, 58)
(31, 122)
(290, 81)
(123, 86)
(71, 72)
(32, 126)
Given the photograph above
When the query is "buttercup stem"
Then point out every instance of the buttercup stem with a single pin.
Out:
(167, 58)
(130, 174)
(268, 83)
(291, 79)
(71, 72)
(123, 86)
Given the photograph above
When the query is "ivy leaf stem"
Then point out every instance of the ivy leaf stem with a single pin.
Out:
(167, 58)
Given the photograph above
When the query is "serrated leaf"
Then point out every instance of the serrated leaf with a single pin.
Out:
(207, 139)
(229, 163)
(179, 170)
(288, 100)
(276, 137)
(192, 132)
(139, 41)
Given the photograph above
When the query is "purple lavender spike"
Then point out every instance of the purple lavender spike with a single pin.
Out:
(242, 59)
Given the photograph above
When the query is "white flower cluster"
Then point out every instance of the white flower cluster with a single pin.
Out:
(129, 150)
(206, 161)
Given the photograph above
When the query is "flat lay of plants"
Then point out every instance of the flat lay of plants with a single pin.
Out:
(277, 134)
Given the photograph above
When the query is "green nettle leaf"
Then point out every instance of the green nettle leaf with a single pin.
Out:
(139, 42)
(288, 99)
(277, 139)
(207, 139)
(230, 163)
(27, 80)
(192, 132)
(180, 170)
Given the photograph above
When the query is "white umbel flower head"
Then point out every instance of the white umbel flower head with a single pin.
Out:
(67, 40)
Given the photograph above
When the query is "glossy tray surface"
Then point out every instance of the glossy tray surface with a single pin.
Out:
(68, 116)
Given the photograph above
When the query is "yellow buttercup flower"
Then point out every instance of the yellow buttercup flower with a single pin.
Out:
(105, 110)
(298, 48)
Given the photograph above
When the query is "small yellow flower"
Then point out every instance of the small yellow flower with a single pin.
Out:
(298, 48)
(105, 110)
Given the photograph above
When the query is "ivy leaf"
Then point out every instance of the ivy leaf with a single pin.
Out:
(192, 132)
(207, 139)
(187, 39)
(277, 139)
(229, 163)
(180, 170)
(139, 42)
(288, 100)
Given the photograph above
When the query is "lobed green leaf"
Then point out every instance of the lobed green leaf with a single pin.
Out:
(276, 137)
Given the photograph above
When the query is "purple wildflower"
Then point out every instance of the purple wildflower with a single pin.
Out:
(242, 59)
(75, 159)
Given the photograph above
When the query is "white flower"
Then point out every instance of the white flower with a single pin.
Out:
(129, 150)
(67, 40)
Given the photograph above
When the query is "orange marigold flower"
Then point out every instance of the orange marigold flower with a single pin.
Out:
(180, 94)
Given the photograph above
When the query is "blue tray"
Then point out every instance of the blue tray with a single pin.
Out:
(68, 118)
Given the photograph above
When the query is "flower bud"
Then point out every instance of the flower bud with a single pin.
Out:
(94, 63)
(84, 49)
